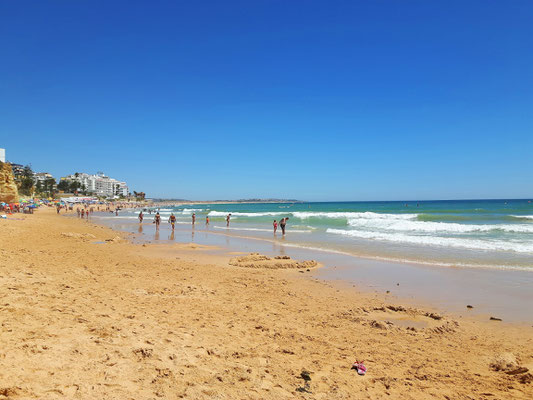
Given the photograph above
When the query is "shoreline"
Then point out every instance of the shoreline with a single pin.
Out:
(436, 234)
(458, 286)
(89, 315)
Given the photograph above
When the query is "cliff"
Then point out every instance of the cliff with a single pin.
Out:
(8, 187)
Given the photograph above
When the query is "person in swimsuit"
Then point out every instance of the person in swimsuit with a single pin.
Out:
(157, 220)
(275, 224)
(193, 218)
(282, 224)
(172, 220)
(82, 213)
(227, 219)
(207, 220)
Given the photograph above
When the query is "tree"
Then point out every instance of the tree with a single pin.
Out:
(63, 185)
(74, 186)
(49, 186)
(28, 173)
(25, 184)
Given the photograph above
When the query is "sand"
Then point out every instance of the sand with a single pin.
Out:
(85, 314)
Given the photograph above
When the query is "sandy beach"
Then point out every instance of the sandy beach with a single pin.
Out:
(85, 314)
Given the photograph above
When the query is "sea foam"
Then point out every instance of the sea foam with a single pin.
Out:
(474, 244)
(244, 214)
(434, 227)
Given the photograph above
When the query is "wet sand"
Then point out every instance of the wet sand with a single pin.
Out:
(87, 314)
(492, 292)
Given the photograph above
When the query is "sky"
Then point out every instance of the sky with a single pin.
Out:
(311, 100)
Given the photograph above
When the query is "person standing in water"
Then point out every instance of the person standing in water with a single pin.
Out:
(275, 225)
(193, 218)
(282, 224)
(141, 216)
(157, 220)
(172, 220)
(227, 219)
(207, 220)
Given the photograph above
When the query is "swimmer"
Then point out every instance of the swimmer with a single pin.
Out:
(157, 221)
(172, 220)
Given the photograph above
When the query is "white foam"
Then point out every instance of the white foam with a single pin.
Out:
(244, 214)
(353, 215)
(191, 210)
(434, 227)
(308, 214)
(474, 244)
(522, 216)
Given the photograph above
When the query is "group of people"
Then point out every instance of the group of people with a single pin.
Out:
(172, 221)
(282, 225)
(11, 208)
(84, 212)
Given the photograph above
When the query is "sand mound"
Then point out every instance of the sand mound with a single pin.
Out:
(78, 235)
(256, 260)
(504, 362)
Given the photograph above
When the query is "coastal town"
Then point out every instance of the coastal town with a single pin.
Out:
(19, 184)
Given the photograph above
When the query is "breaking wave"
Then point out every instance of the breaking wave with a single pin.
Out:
(474, 244)
(435, 227)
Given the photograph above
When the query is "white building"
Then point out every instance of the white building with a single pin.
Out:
(40, 179)
(3, 155)
(42, 176)
(100, 184)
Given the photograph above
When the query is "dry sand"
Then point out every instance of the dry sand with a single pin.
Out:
(87, 315)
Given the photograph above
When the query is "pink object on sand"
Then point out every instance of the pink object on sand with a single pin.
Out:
(360, 367)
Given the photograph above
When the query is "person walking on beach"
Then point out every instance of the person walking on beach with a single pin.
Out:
(207, 220)
(275, 224)
(193, 218)
(157, 221)
(78, 211)
(141, 216)
(282, 224)
(227, 219)
(82, 213)
(172, 220)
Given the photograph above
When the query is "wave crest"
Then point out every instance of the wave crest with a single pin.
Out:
(473, 244)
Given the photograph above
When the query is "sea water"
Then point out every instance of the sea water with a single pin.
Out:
(467, 233)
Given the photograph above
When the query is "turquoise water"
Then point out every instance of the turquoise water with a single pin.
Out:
(474, 233)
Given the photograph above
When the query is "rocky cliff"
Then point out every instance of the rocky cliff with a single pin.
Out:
(8, 187)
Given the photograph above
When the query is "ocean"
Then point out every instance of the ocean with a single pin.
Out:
(466, 233)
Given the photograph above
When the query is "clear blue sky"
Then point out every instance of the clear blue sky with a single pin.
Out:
(315, 100)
